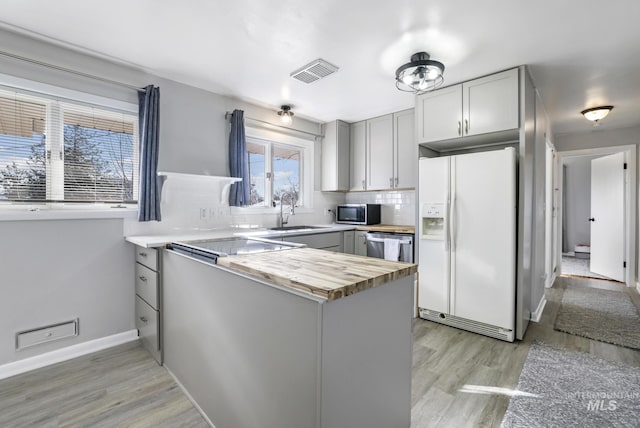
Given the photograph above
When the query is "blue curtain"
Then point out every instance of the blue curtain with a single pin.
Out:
(238, 161)
(149, 127)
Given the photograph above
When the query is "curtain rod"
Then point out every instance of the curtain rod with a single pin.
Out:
(227, 115)
(68, 70)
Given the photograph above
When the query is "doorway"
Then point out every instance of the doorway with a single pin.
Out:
(597, 200)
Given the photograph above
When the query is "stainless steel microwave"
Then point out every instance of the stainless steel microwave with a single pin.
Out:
(358, 213)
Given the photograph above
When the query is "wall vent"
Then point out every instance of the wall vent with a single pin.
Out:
(315, 70)
(36, 336)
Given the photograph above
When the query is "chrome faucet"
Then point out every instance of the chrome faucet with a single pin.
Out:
(281, 219)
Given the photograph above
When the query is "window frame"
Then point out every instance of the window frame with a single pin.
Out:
(307, 147)
(55, 98)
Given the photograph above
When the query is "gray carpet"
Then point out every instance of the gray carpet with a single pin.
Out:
(603, 315)
(579, 267)
(561, 388)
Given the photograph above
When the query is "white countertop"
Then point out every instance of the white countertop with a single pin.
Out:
(159, 240)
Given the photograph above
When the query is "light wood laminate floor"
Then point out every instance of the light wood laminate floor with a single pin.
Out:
(124, 387)
(445, 359)
(119, 387)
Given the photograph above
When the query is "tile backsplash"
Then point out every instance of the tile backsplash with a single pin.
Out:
(398, 207)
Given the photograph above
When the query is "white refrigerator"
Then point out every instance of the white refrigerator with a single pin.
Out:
(467, 241)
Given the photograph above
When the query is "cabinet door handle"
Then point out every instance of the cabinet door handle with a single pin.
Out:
(143, 319)
(396, 181)
(363, 184)
(142, 254)
(391, 182)
(459, 128)
(143, 278)
(466, 126)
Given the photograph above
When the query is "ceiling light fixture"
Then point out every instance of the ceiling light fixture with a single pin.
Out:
(595, 114)
(420, 75)
(286, 115)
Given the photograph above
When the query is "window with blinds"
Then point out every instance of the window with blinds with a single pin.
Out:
(54, 150)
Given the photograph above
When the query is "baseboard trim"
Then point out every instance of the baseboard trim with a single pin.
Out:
(535, 316)
(64, 354)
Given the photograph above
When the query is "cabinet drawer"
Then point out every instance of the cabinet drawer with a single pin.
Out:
(147, 257)
(319, 240)
(147, 284)
(147, 323)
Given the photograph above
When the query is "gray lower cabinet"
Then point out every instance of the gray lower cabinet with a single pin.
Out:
(148, 300)
(332, 241)
(348, 241)
(251, 354)
(360, 243)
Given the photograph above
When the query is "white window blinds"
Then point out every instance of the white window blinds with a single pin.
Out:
(22, 147)
(61, 151)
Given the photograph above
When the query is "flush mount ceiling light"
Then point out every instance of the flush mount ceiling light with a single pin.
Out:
(420, 75)
(286, 115)
(596, 114)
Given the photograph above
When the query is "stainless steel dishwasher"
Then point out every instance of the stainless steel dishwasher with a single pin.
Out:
(375, 245)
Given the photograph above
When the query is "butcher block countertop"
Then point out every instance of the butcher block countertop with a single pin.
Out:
(388, 228)
(322, 273)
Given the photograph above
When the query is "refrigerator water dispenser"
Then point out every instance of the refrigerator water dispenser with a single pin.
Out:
(433, 221)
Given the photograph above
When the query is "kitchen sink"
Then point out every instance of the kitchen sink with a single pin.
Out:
(294, 228)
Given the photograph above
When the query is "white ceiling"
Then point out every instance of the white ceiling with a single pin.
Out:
(582, 53)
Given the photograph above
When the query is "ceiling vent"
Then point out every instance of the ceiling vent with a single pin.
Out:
(313, 71)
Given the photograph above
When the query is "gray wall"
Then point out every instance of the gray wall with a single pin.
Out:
(58, 270)
(577, 207)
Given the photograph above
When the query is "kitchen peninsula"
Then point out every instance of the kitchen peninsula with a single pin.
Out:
(292, 338)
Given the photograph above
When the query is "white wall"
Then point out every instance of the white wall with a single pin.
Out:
(577, 207)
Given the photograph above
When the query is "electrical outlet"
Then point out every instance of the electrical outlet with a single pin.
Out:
(203, 213)
(327, 211)
(212, 212)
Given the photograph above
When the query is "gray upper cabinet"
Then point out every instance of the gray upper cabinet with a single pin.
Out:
(481, 106)
(439, 114)
(358, 173)
(380, 153)
(384, 152)
(405, 150)
(335, 157)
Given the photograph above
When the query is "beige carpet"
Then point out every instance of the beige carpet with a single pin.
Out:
(562, 388)
(603, 315)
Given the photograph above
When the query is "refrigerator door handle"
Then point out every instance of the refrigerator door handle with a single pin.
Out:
(447, 241)
(452, 213)
(447, 210)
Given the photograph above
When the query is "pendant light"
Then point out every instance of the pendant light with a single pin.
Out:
(286, 115)
(420, 75)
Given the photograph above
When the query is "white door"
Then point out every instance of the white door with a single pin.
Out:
(483, 237)
(607, 216)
